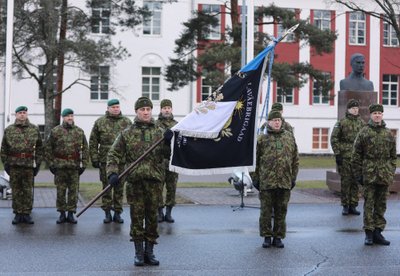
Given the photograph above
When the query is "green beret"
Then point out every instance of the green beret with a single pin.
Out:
(21, 108)
(142, 102)
(67, 112)
(273, 114)
(353, 103)
(375, 107)
(112, 102)
(165, 103)
(277, 106)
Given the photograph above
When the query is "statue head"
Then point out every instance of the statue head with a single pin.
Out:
(357, 63)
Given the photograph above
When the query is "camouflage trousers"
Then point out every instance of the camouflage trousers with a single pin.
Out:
(142, 196)
(349, 188)
(113, 198)
(21, 182)
(273, 201)
(171, 178)
(67, 183)
(375, 206)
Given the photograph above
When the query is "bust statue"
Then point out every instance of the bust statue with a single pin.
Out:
(356, 81)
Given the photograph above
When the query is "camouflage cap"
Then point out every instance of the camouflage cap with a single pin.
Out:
(273, 114)
(142, 102)
(165, 103)
(66, 112)
(277, 106)
(353, 103)
(112, 102)
(375, 107)
(21, 108)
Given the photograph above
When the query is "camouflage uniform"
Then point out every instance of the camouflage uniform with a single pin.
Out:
(103, 134)
(22, 151)
(67, 152)
(171, 178)
(143, 184)
(276, 169)
(342, 139)
(374, 160)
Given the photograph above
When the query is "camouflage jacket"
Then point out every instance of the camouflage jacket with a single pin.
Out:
(165, 123)
(131, 144)
(22, 145)
(374, 154)
(67, 147)
(103, 134)
(344, 133)
(277, 160)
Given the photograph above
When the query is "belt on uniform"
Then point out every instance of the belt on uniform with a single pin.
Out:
(21, 155)
(74, 156)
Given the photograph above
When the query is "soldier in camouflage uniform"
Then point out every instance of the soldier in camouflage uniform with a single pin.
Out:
(143, 184)
(374, 167)
(285, 124)
(166, 121)
(342, 139)
(67, 155)
(21, 154)
(103, 134)
(276, 172)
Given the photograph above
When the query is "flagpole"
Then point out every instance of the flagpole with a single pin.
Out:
(243, 61)
(8, 62)
(250, 30)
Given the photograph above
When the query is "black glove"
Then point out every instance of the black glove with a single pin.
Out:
(339, 160)
(168, 134)
(52, 170)
(81, 170)
(293, 185)
(35, 171)
(96, 164)
(113, 180)
(256, 185)
(7, 168)
(359, 180)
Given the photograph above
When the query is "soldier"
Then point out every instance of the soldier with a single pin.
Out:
(166, 121)
(67, 155)
(143, 184)
(21, 154)
(342, 139)
(374, 166)
(276, 172)
(103, 134)
(285, 124)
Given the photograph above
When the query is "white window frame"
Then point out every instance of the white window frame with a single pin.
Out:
(357, 28)
(206, 89)
(152, 26)
(100, 83)
(151, 82)
(284, 97)
(389, 35)
(103, 22)
(321, 98)
(41, 75)
(322, 19)
(390, 90)
(319, 136)
(215, 32)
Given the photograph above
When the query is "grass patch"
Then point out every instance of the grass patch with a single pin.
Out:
(312, 162)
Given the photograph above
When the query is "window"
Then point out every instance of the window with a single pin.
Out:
(285, 95)
(41, 76)
(322, 19)
(206, 89)
(215, 31)
(152, 26)
(281, 31)
(151, 77)
(41, 131)
(357, 28)
(101, 11)
(389, 35)
(318, 97)
(390, 89)
(320, 138)
(394, 133)
(99, 79)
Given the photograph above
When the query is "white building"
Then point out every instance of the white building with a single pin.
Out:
(150, 46)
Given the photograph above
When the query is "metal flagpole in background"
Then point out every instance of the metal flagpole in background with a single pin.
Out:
(243, 60)
(8, 62)
(250, 30)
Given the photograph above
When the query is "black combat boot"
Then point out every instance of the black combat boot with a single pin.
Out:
(345, 210)
(378, 238)
(108, 217)
(149, 257)
(267, 242)
(27, 219)
(353, 211)
(70, 218)
(168, 217)
(160, 216)
(139, 254)
(17, 219)
(277, 242)
(368, 237)
(62, 218)
(117, 218)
